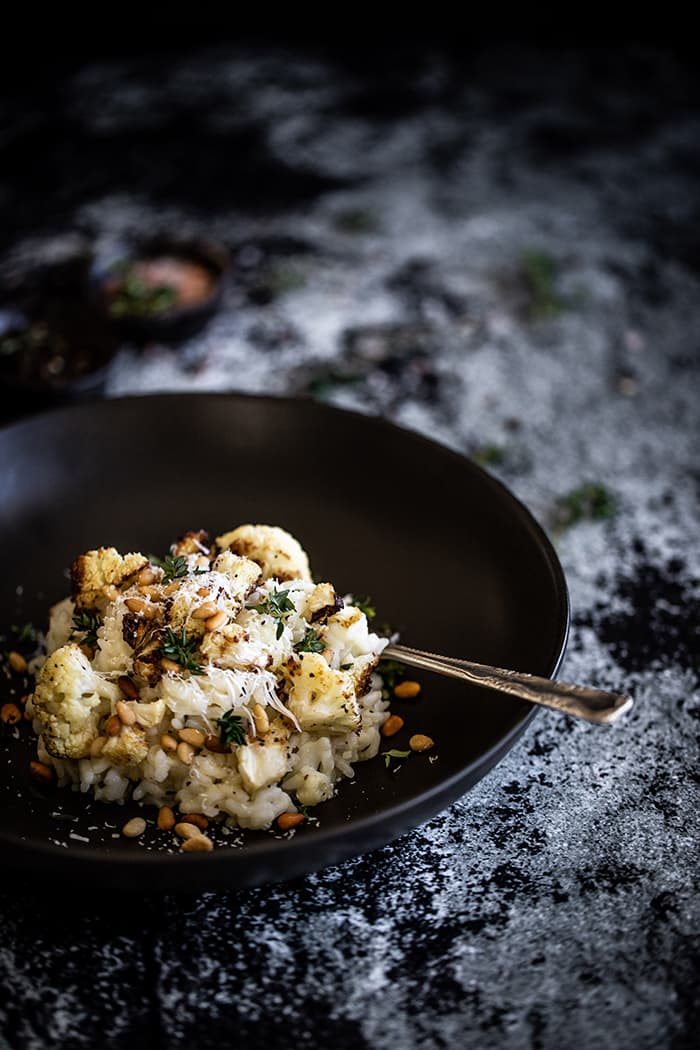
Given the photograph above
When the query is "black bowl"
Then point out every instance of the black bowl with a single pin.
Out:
(171, 323)
(449, 556)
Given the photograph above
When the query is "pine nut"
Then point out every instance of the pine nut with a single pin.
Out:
(202, 562)
(407, 690)
(113, 725)
(419, 742)
(195, 737)
(170, 665)
(136, 605)
(213, 743)
(166, 818)
(97, 745)
(127, 687)
(150, 590)
(168, 742)
(171, 588)
(289, 820)
(185, 752)
(134, 827)
(17, 662)
(203, 592)
(10, 714)
(262, 722)
(203, 612)
(110, 592)
(198, 819)
(39, 771)
(327, 655)
(198, 844)
(392, 725)
(186, 830)
(126, 715)
(147, 576)
(216, 621)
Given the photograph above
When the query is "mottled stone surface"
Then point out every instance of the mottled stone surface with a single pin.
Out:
(502, 251)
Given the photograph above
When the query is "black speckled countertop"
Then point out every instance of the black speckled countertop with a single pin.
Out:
(502, 250)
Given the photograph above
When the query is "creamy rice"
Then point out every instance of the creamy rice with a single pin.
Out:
(300, 686)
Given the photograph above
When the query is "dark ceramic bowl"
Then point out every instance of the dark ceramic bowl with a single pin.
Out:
(450, 558)
(162, 290)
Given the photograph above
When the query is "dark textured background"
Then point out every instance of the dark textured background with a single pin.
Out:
(391, 214)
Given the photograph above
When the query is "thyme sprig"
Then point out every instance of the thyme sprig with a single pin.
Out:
(181, 650)
(364, 605)
(88, 623)
(174, 567)
(278, 605)
(392, 672)
(232, 731)
(310, 643)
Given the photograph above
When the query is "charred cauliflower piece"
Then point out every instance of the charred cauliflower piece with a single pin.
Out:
(321, 698)
(191, 543)
(128, 748)
(322, 603)
(266, 760)
(277, 553)
(97, 575)
(69, 700)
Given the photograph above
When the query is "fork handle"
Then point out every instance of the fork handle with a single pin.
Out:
(595, 705)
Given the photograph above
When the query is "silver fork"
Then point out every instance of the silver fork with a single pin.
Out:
(595, 705)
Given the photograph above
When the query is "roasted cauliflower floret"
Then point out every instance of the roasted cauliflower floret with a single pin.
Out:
(97, 575)
(128, 748)
(277, 553)
(191, 543)
(321, 698)
(69, 700)
(322, 603)
(243, 576)
(265, 760)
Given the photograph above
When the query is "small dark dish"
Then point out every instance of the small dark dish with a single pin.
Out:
(163, 289)
(55, 347)
(449, 556)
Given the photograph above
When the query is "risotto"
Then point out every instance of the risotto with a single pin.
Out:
(222, 680)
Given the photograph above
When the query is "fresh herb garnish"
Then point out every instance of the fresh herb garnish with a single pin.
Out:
(181, 650)
(388, 755)
(174, 567)
(310, 643)
(26, 633)
(89, 623)
(278, 605)
(392, 672)
(135, 296)
(364, 605)
(489, 455)
(232, 731)
(591, 501)
(538, 272)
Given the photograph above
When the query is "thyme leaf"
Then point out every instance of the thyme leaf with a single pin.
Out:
(232, 731)
(310, 643)
(181, 650)
(364, 605)
(174, 567)
(278, 605)
(88, 623)
(388, 755)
